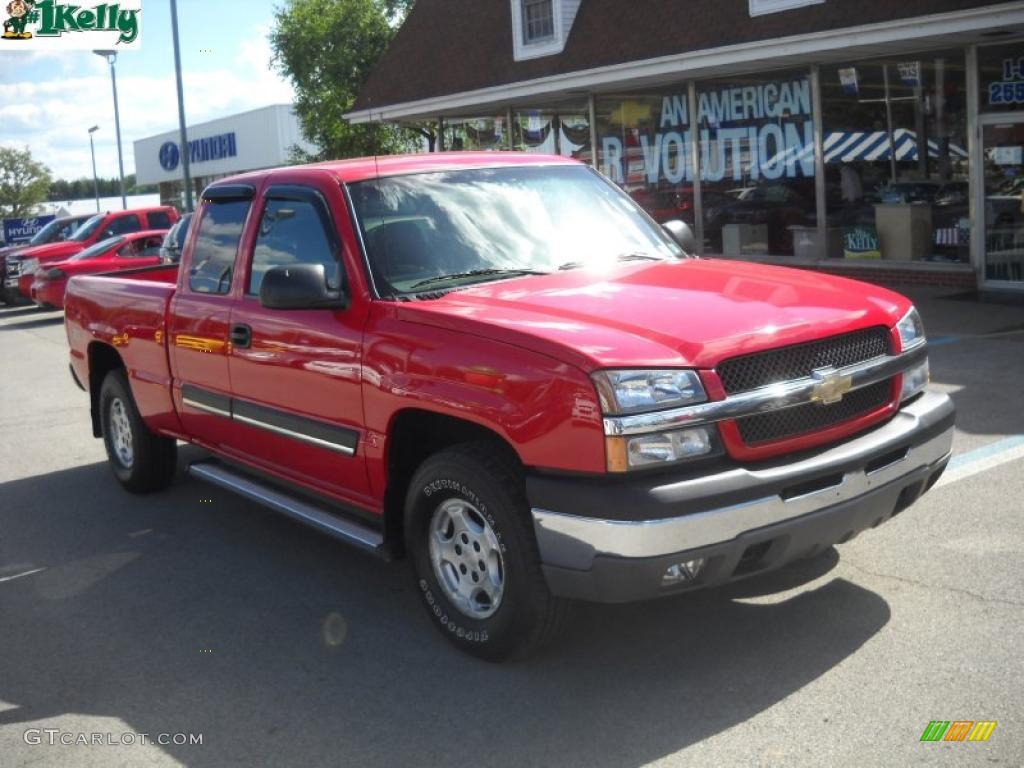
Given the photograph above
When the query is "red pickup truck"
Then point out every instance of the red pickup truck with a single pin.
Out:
(21, 266)
(499, 365)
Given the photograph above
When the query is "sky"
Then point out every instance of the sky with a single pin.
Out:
(49, 100)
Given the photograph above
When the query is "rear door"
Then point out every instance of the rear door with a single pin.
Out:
(201, 313)
(296, 373)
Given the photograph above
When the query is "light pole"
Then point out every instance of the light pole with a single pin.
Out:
(181, 108)
(111, 57)
(95, 180)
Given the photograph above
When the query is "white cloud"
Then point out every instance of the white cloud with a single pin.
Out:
(52, 117)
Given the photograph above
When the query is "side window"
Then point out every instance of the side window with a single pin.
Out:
(150, 247)
(129, 250)
(216, 245)
(124, 224)
(293, 231)
(159, 220)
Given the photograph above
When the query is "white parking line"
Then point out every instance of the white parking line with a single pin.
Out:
(20, 575)
(983, 459)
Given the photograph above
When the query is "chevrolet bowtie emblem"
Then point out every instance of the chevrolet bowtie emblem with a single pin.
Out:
(830, 386)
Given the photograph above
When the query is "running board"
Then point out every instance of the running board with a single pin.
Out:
(318, 517)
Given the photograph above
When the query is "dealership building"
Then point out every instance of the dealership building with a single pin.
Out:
(878, 139)
(260, 138)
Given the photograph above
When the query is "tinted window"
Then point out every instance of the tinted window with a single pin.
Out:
(124, 224)
(216, 245)
(158, 220)
(292, 232)
(85, 231)
(99, 249)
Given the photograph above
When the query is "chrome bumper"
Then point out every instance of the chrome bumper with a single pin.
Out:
(716, 509)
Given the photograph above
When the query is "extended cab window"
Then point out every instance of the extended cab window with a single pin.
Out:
(293, 231)
(159, 220)
(216, 245)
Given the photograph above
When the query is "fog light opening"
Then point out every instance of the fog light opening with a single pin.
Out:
(683, 573)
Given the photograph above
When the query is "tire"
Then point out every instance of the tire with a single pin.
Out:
(468, 527)
(143, 462)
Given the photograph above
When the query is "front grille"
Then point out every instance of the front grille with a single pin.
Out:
(791, 422)
(742, 374)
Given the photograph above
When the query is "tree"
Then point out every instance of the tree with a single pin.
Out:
(328, 48)
(24, 183)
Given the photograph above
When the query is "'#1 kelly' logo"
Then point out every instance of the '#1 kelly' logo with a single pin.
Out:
(55, 19)
(958, 730)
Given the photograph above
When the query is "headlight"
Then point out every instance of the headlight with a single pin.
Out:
(29, 265)
(911, 330)
(625, 392)
(915, 380)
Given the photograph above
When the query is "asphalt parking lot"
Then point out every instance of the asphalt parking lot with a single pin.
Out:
(194, 612)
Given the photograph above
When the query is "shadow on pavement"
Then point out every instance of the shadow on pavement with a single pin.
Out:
(320, 653)
(20, 311)
(37, 322)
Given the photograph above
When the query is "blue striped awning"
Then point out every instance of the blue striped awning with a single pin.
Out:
(848, 147)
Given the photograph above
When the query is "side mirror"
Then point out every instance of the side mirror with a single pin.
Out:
(300, 286)
(680, 232)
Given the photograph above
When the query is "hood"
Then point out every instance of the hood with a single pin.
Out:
(52, 251)
(692, 313)
(10, 250)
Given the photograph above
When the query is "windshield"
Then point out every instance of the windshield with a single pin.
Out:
(47, 234)
(86, 230)
(98, 249)
(436, 231)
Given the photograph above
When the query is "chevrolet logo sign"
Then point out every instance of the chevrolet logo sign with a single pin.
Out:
(830, 386)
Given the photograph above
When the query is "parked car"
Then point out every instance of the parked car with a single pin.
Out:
(98, 227)
(496, 364)
(170, 250)
(56, 231)
(115, 254)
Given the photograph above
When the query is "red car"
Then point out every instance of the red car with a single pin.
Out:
(139, 249)
(102, 226)
(498, 365)
(56, 231)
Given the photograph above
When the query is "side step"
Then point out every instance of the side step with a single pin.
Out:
(318, 517)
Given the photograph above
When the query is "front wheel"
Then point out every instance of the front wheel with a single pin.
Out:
(475, 556)
(142, 461)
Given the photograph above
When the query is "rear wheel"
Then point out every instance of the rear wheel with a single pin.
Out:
(142, 461)
(475, 556)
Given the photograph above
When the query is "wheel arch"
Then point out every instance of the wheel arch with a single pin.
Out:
(414, 435)
(103, 359)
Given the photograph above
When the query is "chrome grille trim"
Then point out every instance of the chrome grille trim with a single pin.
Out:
(771, 398)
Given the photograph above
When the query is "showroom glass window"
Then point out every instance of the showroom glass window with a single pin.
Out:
(896, 161)
(757, 165)
(643, 143)
(560, 130)
(1001, 91)
(476, 133)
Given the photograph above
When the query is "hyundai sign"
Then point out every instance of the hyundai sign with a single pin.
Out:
(200, 150)
(22, 230)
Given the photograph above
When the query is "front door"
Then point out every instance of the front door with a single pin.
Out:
(1003, 153)
(296, 374)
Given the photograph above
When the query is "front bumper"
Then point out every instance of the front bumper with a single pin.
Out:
(614, 541)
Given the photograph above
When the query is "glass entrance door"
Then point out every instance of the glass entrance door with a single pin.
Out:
(1003, 148)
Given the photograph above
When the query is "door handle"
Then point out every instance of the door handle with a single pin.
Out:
(241, 335)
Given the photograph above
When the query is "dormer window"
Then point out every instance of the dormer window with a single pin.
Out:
(538, 21)
(540, 27)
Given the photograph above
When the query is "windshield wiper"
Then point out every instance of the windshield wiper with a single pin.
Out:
(631, 256)
(476, 273)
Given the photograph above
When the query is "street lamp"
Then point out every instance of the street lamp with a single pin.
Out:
(111, 57)
(181, 108)
(95, 180)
